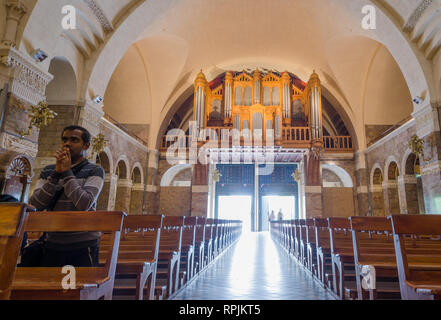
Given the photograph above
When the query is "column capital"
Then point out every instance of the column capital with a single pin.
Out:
(15, 9)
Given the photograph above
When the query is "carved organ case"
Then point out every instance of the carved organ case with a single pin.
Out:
(258, 101)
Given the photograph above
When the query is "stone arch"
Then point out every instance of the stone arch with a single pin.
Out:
(123, 185)
(137, 190)
(16, 176)
(105, 160)
(62, 90)
(387, 166)
(378, 205)
(171, 173)
(411, 186)
(137, 173)
(122, 167)
(342, 174)
(376, 175)
(392, 198)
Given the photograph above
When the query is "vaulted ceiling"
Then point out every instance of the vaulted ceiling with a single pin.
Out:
(144, 55)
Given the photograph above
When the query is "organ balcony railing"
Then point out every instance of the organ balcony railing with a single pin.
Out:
(294, 137)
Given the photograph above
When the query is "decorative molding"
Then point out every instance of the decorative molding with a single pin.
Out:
(432, 168)
(407, 179)
(99, 14)
(151, 188)
(362, 189)
(200, 189)
(416, 15)
(376, 188)
(313, 189)
(138, 187)
(29, 82)
(22, 146)
(125, 183)
(391, 184)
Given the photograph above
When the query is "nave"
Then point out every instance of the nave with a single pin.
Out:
(254, 268)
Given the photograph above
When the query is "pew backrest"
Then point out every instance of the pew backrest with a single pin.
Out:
(13, 217)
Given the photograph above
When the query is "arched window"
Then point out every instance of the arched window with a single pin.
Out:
(248, 96)
(237, 122)
(238, 96)
(276, 96)
(266, 96)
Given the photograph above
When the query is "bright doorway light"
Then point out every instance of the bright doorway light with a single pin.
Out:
(236, 208)
(277, 203)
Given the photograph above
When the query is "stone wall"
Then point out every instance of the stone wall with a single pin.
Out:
(175, 201)
(338, 202)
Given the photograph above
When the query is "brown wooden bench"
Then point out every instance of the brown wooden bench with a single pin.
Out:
(91, 283)
(420, 277)
(137, 265)
(168, 266)
(378, 252)
(12, 221)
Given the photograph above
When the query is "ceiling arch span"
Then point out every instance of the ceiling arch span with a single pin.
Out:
(230, 35)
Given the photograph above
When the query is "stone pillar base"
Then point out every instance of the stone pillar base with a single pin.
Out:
(313, 201)
(199, 201)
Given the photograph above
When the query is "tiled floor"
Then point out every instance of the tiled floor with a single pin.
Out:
(255, 268)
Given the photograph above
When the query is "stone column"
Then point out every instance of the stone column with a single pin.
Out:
(408, 194)
(106, 200)
(199, 191)
(152, 189)
(313, 183)
(392, 201)
(123, 192)
(136, 198)
(378, 203)
(15, 11)
(364, 207)
(427, 122)
(89, 117)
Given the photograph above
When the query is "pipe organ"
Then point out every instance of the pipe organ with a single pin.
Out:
(258, 101)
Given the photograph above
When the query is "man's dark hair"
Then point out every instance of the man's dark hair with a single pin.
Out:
(85, 136)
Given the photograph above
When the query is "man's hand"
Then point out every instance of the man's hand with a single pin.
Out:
(64, 162)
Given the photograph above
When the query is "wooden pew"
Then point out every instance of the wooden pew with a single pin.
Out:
(420, 277)
(188, 247)
(91, 283)
(323, 248)
(12, 221)
(199, 257)
(168, 271)
(378, 252)
(208, 250)
(137, 264)
(342, 257)
(170, 250)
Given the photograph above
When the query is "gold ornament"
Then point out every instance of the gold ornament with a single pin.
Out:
(416, 146)
(98, 144)
(216, 175)
(41, 116)
(297, 175)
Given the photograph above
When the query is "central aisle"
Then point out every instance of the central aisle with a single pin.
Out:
(254, 269)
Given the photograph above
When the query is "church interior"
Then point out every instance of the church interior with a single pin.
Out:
(251, 149)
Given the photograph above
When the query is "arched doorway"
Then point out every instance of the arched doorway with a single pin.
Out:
(413, 187)
(392, 196)
(103, 200)
(123, 187)
(136, 195)
(18, 179)
(377, 194)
